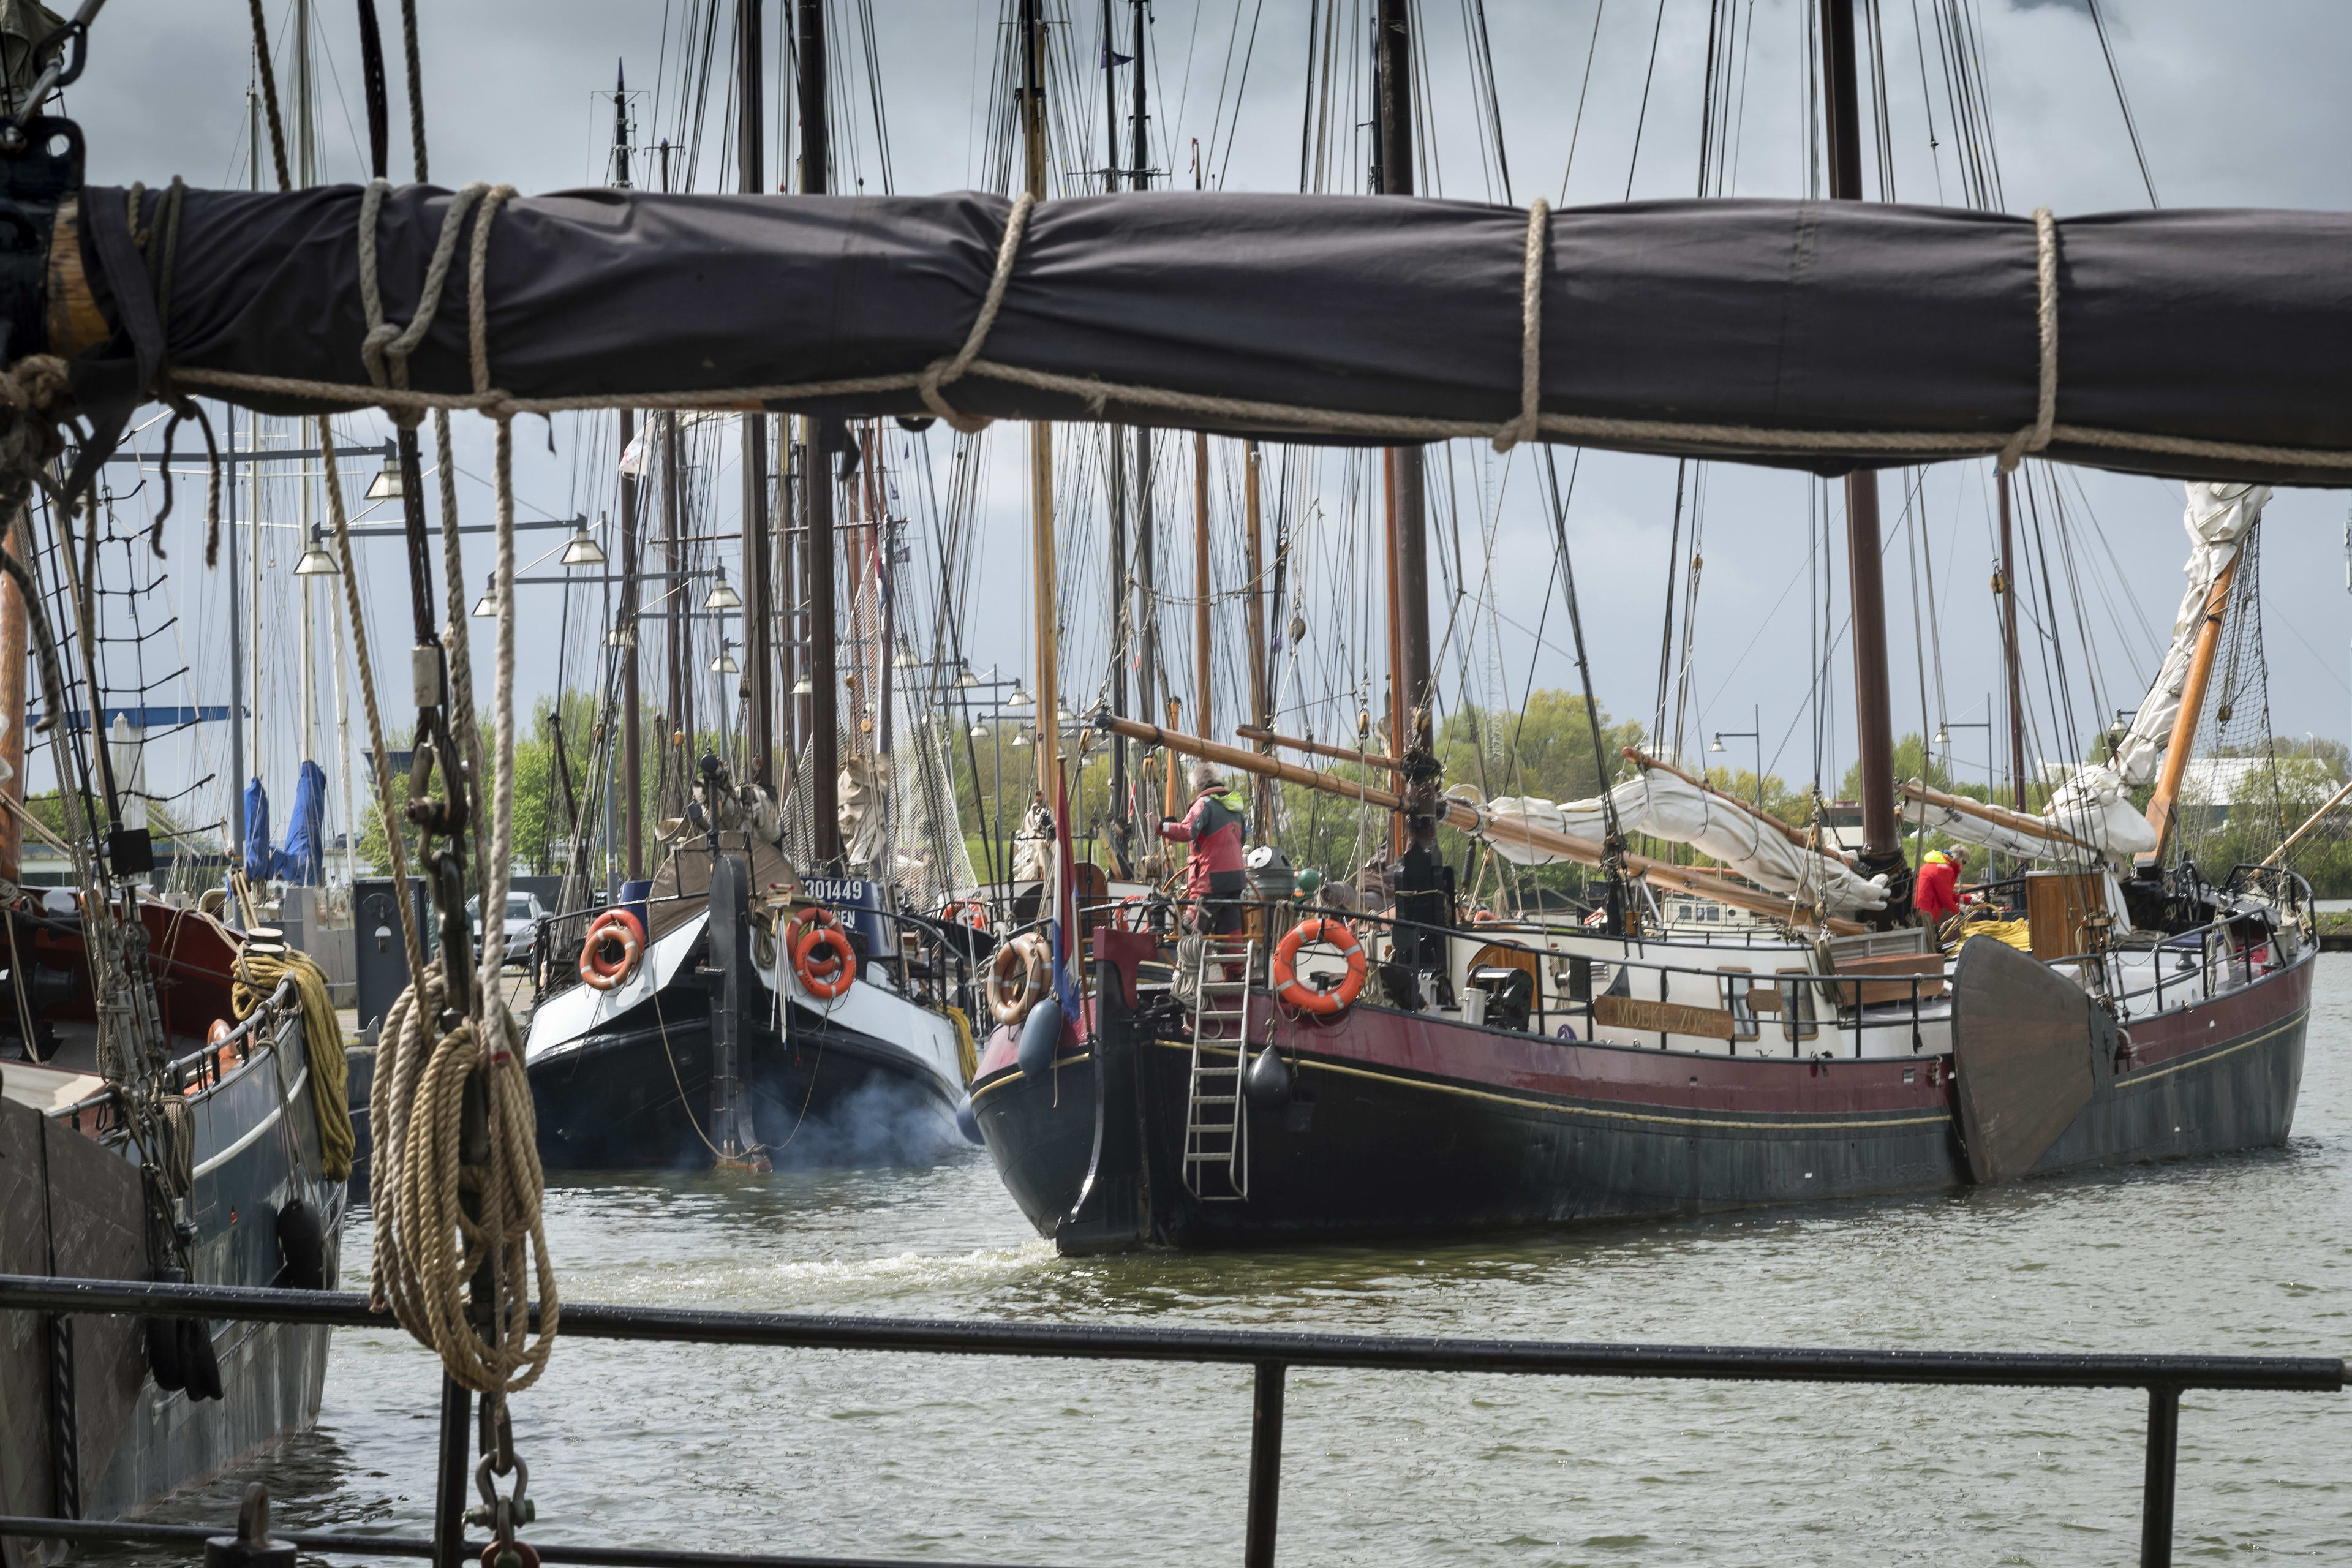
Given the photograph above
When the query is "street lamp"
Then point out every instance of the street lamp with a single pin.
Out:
(315, 562)
(1020, 699)
(487, 607)
(386, 486)
(584, 550)
(722, 597)
(1756, 735)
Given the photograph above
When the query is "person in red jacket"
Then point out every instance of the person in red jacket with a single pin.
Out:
(1937, 893)
(1214, 877)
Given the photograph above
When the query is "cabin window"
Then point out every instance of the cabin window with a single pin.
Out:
(1796, 1008)
(1738, 1002)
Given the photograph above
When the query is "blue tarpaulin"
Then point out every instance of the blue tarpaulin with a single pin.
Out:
(304, 859)
(259, 859)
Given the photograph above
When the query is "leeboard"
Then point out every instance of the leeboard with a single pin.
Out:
(2022, 1040)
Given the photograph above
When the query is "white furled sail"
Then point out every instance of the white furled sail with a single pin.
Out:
(1666, 805)
(2092, 813)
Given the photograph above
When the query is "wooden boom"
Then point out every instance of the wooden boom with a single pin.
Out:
(1461, 814)
(1999, 816)
(1316, 748)
(1796, 835)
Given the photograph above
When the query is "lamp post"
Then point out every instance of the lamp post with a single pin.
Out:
(1756, 717)
(1944, 728)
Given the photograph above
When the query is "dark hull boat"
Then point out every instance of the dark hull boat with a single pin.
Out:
(631, 1079)
(1389, 1122)
(85, 1430)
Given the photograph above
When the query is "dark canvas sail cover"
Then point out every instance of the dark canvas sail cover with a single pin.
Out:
(1698, 324)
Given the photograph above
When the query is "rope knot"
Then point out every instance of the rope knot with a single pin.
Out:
(939, 372)
(2035, 437)
(1528, 425)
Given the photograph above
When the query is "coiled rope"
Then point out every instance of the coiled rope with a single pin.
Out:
(427, 1248)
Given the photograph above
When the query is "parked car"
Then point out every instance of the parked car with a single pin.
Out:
(524, 915)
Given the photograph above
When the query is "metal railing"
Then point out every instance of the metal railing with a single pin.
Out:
(1804, 1003)
(1268, 1351)
(2222, 943)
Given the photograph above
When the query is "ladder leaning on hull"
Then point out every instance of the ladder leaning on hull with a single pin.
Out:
(1216, 1135)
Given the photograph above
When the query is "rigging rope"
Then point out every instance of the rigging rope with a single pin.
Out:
(427, 1248)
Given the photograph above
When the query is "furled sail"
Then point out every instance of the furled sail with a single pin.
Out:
(1825, 334)
(2091, 816)
(1665, 806)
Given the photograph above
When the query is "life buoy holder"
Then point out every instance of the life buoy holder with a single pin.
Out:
(824, 978)
(612, 949)
(1016, 977)
(1315, 999)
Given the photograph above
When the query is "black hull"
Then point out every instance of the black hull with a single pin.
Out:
(635, 1095)
(1370, 1148)
(133, 1441)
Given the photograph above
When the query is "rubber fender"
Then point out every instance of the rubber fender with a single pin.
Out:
(163, 1342)
(966, 1122)
(197, 1363)
(1041, 1036)
(303, 1244)
(1267, 1083)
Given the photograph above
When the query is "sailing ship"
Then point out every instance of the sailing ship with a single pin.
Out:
(681, 1023)
(1413, 1071)
(1693, 360)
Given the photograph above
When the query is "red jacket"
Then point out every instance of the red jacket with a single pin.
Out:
(1214, 831)
(1935, 894)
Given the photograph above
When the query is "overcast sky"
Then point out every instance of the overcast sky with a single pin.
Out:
(2236, 105)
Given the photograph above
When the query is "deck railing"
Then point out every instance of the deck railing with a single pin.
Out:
(1270, 1353)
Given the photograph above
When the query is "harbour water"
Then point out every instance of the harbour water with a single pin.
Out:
(1047, 1462)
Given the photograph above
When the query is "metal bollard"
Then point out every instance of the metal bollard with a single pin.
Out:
(250, 1547)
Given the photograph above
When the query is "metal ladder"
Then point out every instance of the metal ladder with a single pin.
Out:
(1216, 1135)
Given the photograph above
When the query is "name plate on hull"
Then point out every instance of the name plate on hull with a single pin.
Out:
(1662, 1017)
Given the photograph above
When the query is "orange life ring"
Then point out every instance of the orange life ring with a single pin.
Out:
(218, 1032)
(825, 965)
(1131, 913)
(971, 913)
(825, 978)
(1020, 961)
(1313, 999)
(611, 950)
(1483, 916)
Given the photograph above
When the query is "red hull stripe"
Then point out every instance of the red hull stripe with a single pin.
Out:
(1569, 1108)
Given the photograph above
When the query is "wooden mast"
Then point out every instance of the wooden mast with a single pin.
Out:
(1041, 434)
(2009, 652)
(1121, 834)
(2163, 807)
(1202, 671)
(1882, 821)
(624, 620)
(1421, 881)
(757, 684)
(824, 681)
(1261, 706)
